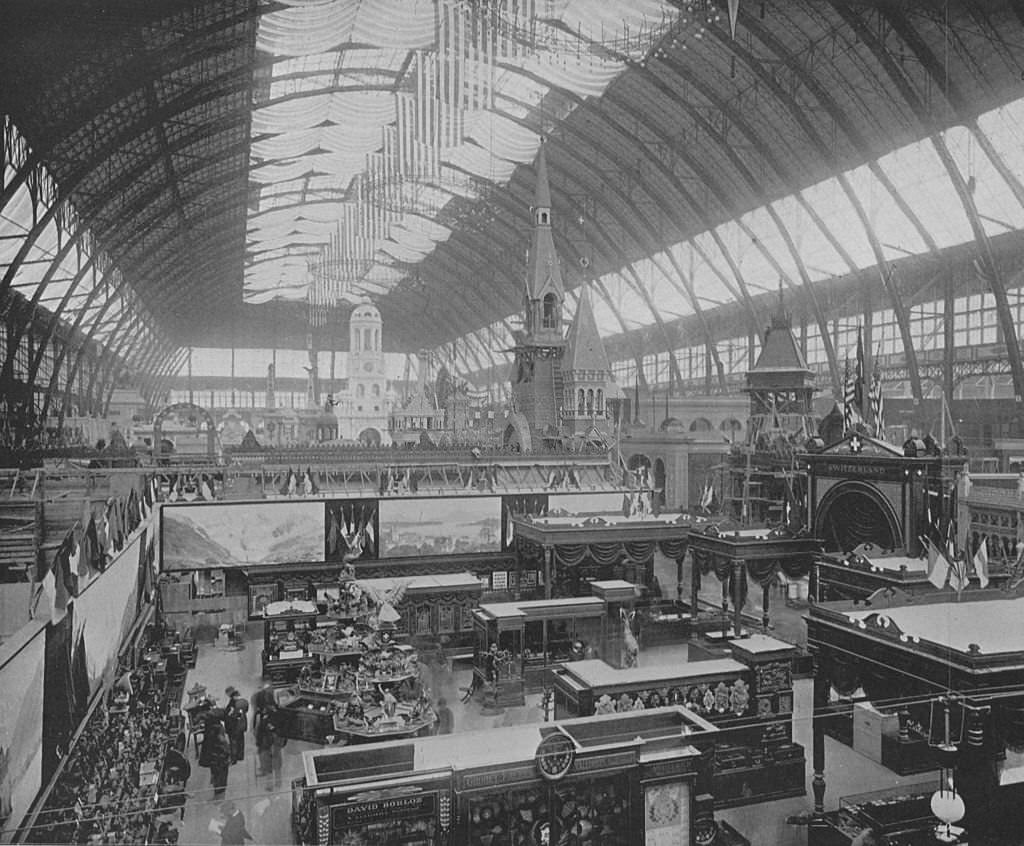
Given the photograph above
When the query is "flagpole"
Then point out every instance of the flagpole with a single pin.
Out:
(942, 423)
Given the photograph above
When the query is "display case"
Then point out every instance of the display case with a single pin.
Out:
(287, 631)
(901, 814)
(750, 701)
(613, 781)
(519, 643)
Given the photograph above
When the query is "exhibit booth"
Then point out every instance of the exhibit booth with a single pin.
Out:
(616, 781)
(749, 699)
(894, 672)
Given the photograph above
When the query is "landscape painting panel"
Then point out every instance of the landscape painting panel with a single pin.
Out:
(453, 526)
(241, 535)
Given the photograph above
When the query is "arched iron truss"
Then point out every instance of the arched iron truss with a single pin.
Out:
(140, 115)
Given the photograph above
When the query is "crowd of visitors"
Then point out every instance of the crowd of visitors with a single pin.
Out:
(109, 788)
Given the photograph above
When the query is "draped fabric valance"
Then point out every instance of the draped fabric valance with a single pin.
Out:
(761, 570)
(637, 552)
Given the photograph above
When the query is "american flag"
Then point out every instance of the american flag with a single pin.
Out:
(877, 404)
(850, 415)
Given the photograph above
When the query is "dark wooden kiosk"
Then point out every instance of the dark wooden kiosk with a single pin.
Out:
(911, 658)
(573, 550)
(616, 780)
(518, 644)
(736, 557)
(749, 698)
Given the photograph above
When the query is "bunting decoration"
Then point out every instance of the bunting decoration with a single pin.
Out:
(858, 375)
(938, 565)
(849, 401)
(981, 562)
(877, 404)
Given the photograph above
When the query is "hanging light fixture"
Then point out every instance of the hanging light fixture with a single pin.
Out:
(946, 803)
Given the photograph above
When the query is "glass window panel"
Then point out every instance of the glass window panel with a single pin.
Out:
(998, 208)
(816, 252)
(832, 204)
(918, 174)
(896, 233)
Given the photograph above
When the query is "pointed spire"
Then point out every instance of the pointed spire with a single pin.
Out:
(584, 347)
(545, 293)
(542, 191)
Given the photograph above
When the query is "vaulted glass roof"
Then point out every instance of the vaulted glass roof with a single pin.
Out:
(217, 171)
(380, 113)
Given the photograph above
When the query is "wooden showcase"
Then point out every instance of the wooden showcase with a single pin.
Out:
(903, 653)
(902, 815)
(857, 576)
(749, 698)
(287, 630)
(612, 781)
(518, 644)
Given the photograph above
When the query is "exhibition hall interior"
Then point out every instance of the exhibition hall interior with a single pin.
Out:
(512, 422)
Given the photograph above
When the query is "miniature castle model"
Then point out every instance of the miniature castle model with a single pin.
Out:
(560, 384)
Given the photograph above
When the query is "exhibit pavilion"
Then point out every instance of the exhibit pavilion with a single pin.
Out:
(511, 422)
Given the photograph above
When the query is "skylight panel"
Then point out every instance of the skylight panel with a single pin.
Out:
(833, 206)
(1004, 128)
(918, 174)
(816, 252)
(997, 206)
(628, 301)
(604, 316)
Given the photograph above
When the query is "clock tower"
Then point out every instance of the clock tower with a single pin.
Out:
(537, 387)
(367, 379)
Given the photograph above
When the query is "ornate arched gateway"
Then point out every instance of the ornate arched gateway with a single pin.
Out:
(853, 512)
(191, 410)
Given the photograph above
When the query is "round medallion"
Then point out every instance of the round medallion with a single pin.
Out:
(368, 366)
(705, 832)
(555, 755)
(664, 808)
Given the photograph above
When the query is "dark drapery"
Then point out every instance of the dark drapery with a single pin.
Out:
(58, 693)
(854, 518)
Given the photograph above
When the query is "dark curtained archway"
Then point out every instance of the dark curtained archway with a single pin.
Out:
(854, 512)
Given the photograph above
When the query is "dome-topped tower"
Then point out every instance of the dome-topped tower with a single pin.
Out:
(365, 415)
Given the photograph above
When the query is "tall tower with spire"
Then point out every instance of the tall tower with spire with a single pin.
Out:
(560, 385)
(537, 387)
(586, 373)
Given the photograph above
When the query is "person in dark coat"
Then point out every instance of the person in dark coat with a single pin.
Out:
(236, 721)
(269, 742)
(234, 832)
(263, 700)
(216, 754)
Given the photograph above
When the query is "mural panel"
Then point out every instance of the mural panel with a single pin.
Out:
(451, 526)
(241, 534)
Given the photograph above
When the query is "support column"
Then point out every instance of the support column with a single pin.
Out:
(549, 569)
(737, 610)
(695, 576)
(725, 607)
(765, 594)
(819, 704)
